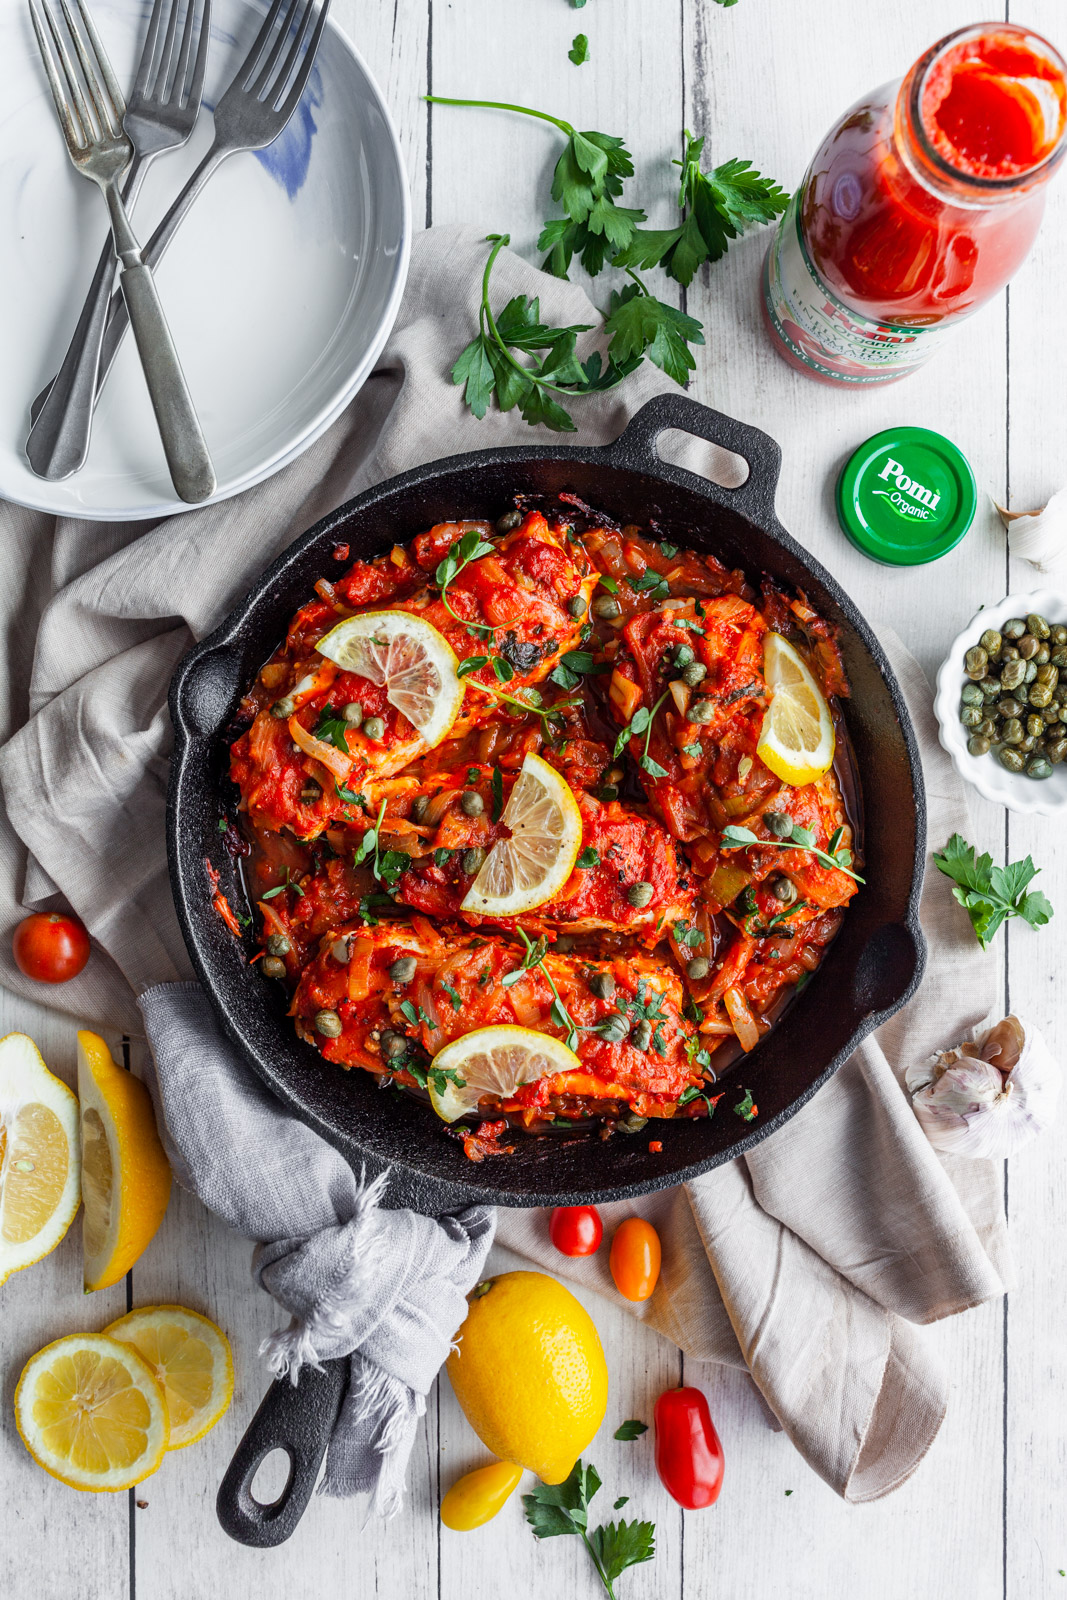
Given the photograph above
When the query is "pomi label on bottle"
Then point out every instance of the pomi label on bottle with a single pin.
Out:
(824, 334)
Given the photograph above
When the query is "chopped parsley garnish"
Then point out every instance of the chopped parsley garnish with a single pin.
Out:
(631, 1429)
(579, 50)
(441, 856)
(223, 824)
(696, 750)
(280, 888)
(496, 785)
(588, 858)
(650, 583)
(457, 1003)
(747, 1108)
(473, 774)
(669, 550)
(573, 665)
(607, 583)
(349, 796)
(332, 729)
(686, 934)
(692, 1093)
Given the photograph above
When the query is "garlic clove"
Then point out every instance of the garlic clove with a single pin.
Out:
(1003, 1045)
(1039, 537)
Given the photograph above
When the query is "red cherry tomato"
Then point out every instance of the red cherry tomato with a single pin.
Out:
(576, 1230)
(50, 947)
(689, 1456)
(635, 1258)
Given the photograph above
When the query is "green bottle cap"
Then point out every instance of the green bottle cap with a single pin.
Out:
(906, 496)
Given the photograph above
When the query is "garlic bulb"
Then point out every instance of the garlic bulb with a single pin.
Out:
(990, 1098)
(1039, 537)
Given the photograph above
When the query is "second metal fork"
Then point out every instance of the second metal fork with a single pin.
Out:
(91, 109)
(160, 115)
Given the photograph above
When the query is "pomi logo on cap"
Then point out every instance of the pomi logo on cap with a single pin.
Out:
(907, 486)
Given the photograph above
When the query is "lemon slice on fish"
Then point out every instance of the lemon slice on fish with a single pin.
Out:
(532, 866)
(495, 1060)
(797, 738)
(407, 656)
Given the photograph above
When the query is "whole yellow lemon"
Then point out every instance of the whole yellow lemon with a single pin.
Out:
(529, 1372)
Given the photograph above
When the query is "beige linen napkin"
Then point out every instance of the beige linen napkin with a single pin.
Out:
(812, 1259)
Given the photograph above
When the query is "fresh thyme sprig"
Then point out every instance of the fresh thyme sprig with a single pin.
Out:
(535, 957)
(735, 838)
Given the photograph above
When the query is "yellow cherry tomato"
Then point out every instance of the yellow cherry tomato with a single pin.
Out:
(478, 1496)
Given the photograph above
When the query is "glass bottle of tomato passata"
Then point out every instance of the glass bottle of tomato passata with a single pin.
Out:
(921, 203)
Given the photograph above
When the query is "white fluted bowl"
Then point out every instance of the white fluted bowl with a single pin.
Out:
(1037, 797)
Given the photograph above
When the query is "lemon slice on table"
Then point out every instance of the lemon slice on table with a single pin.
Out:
(40, 1164)
(91, 1413)
(408, 657)
(192, 1361)
(494, 1060)
(125, 1175)
(524, 871)
(797, 738)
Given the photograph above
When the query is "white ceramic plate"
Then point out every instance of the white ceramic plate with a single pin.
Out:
(280, 287)
(1039, 797)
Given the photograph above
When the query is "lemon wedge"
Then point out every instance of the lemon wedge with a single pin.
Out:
(524, 871)
(192, 1361)
(91, 1413)
(797, 738)
(40, 1165)
(494, 1060)
(125, 1175)
(405, 654)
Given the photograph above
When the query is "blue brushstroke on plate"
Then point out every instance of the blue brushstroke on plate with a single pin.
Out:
(288, 158)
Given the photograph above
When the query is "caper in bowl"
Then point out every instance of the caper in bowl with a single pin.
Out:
(1001, 702)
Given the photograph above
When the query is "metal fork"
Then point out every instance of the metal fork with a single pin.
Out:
(250, 115)
(91, 109)
(160, 115)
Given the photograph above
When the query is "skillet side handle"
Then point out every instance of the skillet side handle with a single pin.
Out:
(635, 448)
(298, 1419)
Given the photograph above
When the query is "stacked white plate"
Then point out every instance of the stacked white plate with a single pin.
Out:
(280, 288)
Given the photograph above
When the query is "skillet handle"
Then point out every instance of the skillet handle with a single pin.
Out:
(635, 448)
(298, 1419)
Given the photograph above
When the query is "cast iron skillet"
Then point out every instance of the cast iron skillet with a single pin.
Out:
(871, 969)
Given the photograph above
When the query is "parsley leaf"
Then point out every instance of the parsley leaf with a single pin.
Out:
(579, 50)
(747, 1107)
(496, 785)
(457, 1003)
(588, 858)
(563, 1508)
(717, 207)
(471, 664)
(631, 1429)
(639, 324)
(608, 583)
(331, 729)
(280, 888)
(989, 894)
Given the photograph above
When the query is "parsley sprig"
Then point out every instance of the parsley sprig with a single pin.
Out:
(560, 1508)
(468, 547)
(735, 838)
(989, 894)
(587, 184)
(388, 866)
(535, 957)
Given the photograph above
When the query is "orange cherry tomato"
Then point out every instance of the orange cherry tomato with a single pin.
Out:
(50, 947)
(635, 1258)
(576, 1230)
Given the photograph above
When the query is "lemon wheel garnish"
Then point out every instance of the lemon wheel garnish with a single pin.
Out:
(91, 1413)
(40, 1166)
(409, 658)
(192, 1360)
(496, 1061)
(125, 1175)
(526, 870)
(797, 738)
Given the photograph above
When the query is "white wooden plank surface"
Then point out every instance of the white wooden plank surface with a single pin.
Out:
(982, 1516)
